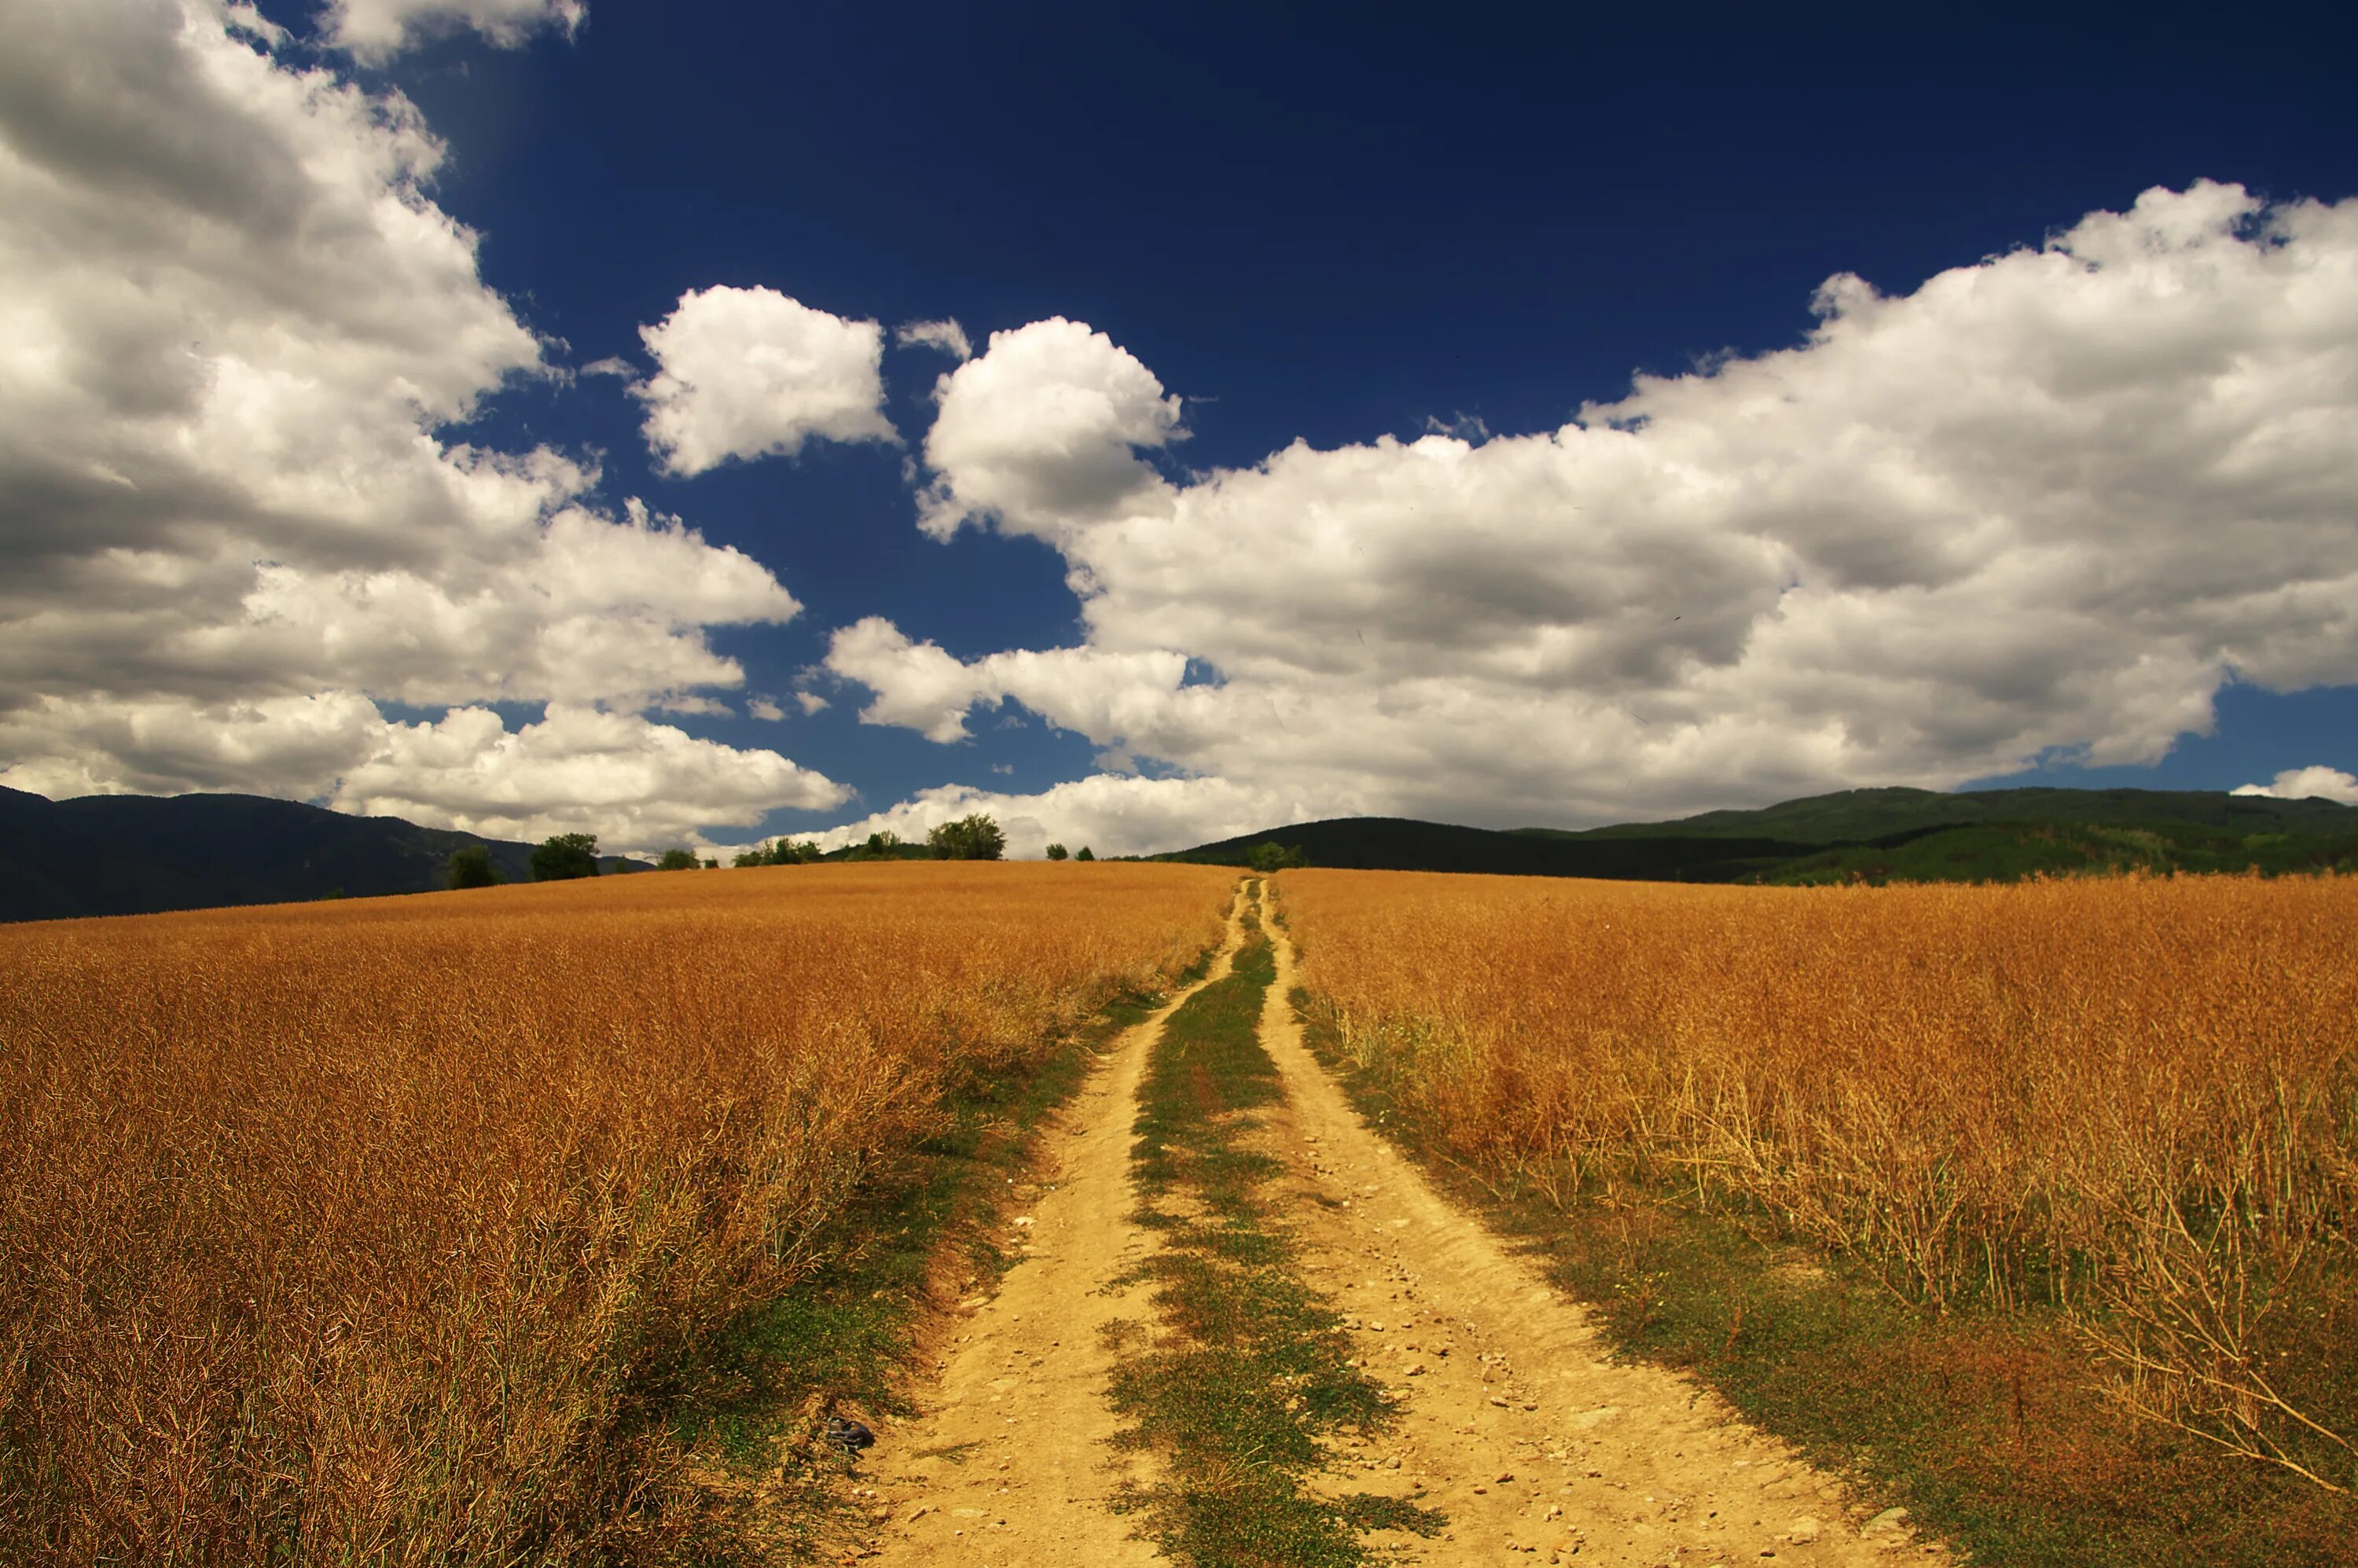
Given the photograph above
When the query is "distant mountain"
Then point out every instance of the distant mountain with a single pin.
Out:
(1399, 843)
(141, 854)
(1872, 835)
(1855, 816)
(131, 854)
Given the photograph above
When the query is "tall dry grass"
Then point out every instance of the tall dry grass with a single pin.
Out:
(373, 1232)
(2137, 1099)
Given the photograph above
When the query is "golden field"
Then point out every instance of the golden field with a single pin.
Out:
(2133, 1100)
(354, 1231)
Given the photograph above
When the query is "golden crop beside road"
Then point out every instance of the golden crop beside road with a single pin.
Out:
(2135, 1100)
(362, 1230)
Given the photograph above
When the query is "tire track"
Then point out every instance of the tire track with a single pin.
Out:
(1517, 1422)
(1519, 1425)
(1010, 1462)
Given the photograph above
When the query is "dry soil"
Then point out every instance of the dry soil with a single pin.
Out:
(1516, 1421)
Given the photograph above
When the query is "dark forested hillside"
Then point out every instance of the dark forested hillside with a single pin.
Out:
(1871, 835)
(1856, 816)
(129, 854)
(143, 854)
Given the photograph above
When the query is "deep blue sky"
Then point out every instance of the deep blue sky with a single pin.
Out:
(1329, 223)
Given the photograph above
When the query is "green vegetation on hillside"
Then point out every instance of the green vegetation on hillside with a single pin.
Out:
(133, 854)
(565, 856)
(1869, 835)
(1855, 815)
(472, 867)
(2010, 851)
(975, 837)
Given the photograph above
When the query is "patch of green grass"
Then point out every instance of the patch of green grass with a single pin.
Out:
(1986, 1424)
(842, 1336)
(1248, 1374)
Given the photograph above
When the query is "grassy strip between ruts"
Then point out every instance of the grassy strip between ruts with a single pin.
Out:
(762, 1488)
(1251, 1369)
(1985, 1424)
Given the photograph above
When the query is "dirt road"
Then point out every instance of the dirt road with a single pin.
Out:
(1516, 1422)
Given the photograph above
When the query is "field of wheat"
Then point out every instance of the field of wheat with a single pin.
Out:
(2132, 1100)
(360, 1231)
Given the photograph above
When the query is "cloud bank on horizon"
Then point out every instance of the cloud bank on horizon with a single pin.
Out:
(2047, 502)
(2050, 502)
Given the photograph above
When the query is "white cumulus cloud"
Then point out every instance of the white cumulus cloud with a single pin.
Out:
(748, 372)
(644, 786)
(1111, 816)
(375, 30)
(945, 336)
(919, 685)
(2301, 784)
(2046, 503)
(1038, 434)
(233, 324)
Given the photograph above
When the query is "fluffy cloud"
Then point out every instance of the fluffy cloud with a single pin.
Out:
(748, 372)
(1111, 816)
(2301, 784)
(2047, 502)
(375, 30)
(274, 745)
(231, 322)
(648, 786)
(919, 685)
(945, 336)
(642, 786)
(1038, 435)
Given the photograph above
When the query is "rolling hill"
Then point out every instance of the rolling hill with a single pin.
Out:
(1401, 844)
(144, 854)
(1870, 834)
(1856, 816)
(132, 854)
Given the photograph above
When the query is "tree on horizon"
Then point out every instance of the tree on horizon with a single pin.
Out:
(565, 856)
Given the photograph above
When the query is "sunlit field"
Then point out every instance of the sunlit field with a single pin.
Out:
(371, 1230)
(2131, 1104)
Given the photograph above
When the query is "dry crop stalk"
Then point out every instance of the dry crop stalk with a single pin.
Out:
(359, 1231)
(1975, 1089)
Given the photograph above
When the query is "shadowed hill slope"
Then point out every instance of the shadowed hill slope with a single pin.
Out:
(1399, 844)
(1856, 816)
(130, 854)
(1874, 835)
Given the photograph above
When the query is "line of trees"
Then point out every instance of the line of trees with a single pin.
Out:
(783, 852)
(564, 857)
(570, 856)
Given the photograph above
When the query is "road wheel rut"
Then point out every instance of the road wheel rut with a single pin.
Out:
(1516, 1422)
(1011, 1460)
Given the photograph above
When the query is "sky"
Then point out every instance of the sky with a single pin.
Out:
(699, 423)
